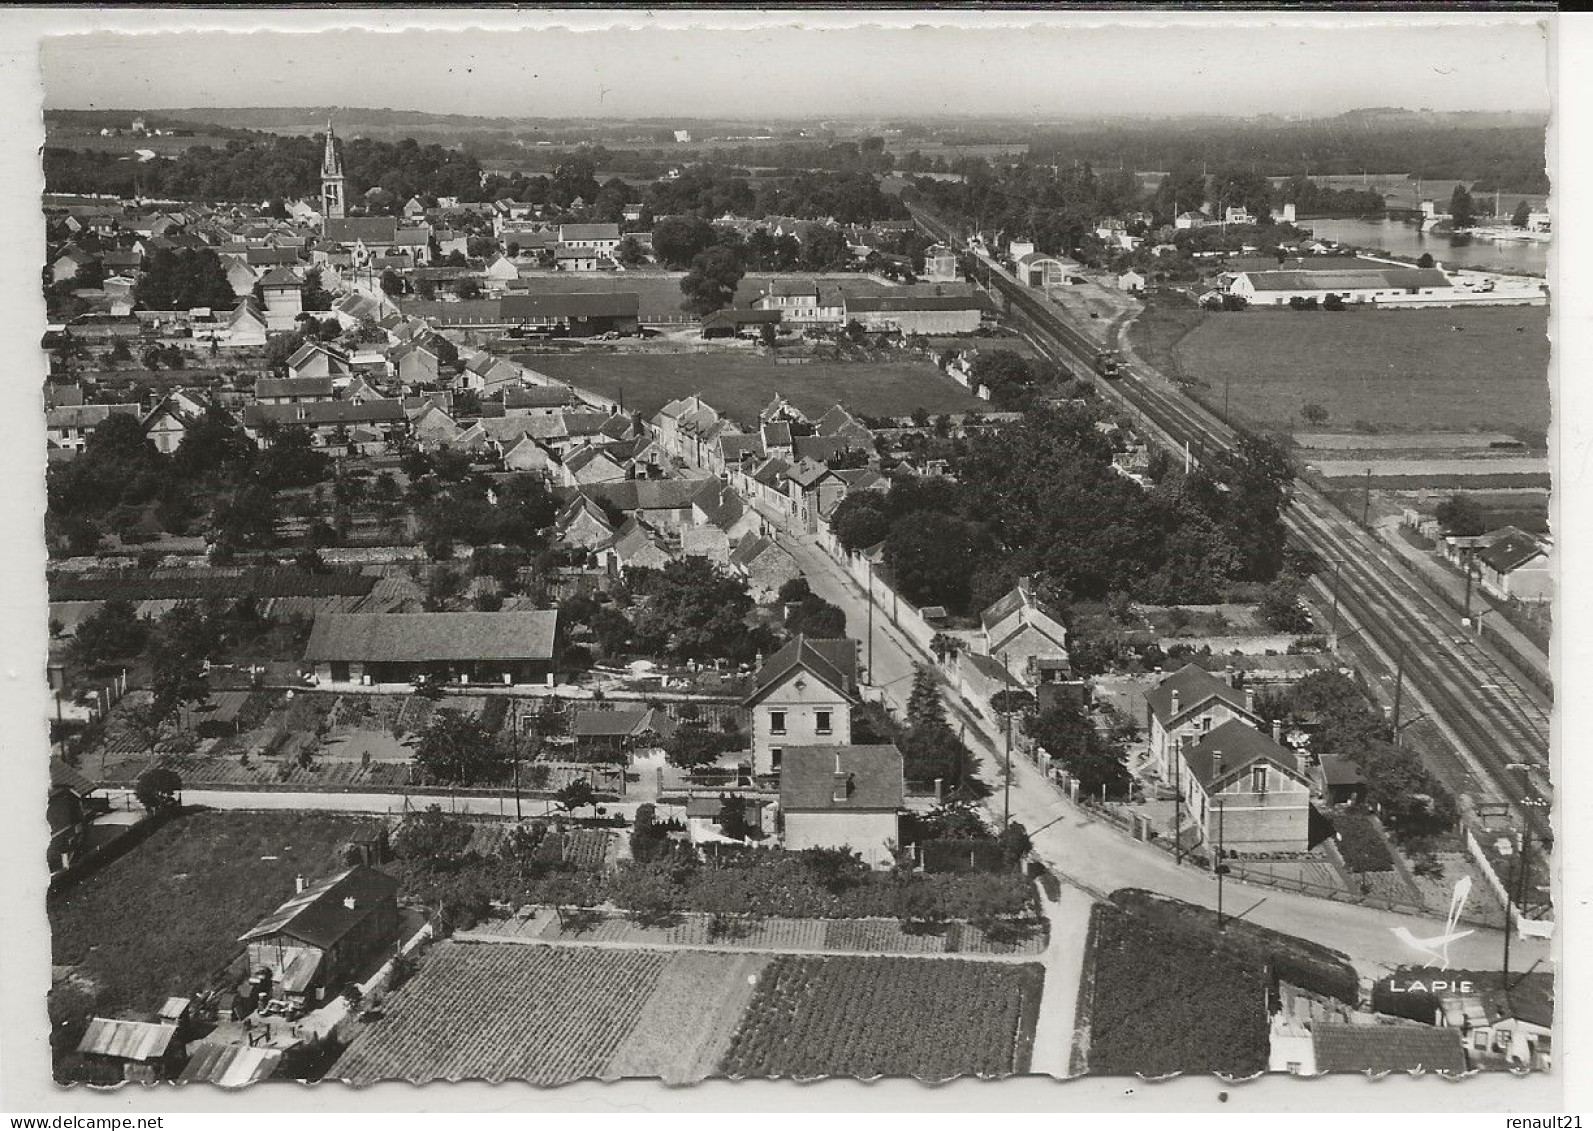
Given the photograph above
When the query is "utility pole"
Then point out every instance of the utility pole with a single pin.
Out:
(1333, 631)
(870, 596)
(1399, 689)
(1006, 791)
(1471, 563)
(1216, 777)
(514, 732)
(1178, 807)
(1366, 498)
(1226, 381)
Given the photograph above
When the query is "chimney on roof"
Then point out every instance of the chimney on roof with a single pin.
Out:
(1277, 731)
(1250, 699)
(349, 902)
(298, 884)
(1177, 701)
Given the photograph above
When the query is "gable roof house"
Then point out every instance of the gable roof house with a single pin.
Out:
(1245, 792)
(370, 425)
(765, 564)
(635, 545)
(846, 797)
(68, 427)
(320, 937)
(245, 327)
(802, 695)
(1187, 705)
(582, 523)
(1026, 635)
(292, 390)
(1517, 567)
(319, 359)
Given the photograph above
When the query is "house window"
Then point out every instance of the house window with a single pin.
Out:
(1501, 1041)
(1479, 1039)
(774, 758)
(1258, 779)
(776, 722)
(823, 722)
(1205, 724)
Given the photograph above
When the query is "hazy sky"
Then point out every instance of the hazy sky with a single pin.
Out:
(807, 64)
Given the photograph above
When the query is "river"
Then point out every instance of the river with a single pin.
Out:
(1401, 238)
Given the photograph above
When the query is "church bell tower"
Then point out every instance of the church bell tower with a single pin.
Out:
(332, 203)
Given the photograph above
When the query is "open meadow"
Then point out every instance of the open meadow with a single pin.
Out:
(1385, 371)
(164, 919)
(742, 385)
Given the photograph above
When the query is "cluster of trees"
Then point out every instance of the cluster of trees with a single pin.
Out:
(455, 504)
(120, 482)
(1040, 497)
(1096, 758)
(1055, 206)
(270, 166)
(1345, 722)
(183, 279)
(1013, 380)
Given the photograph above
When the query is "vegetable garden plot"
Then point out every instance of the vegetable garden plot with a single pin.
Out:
(931, 1018)
(688, 1021)
(543, 1014)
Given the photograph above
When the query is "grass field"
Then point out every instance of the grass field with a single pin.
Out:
(1394, 370)
(930, 1018)
(742, 385)
(658, 291)
(165, 919)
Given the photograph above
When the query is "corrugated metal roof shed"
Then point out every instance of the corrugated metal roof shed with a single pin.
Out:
(126, 1040)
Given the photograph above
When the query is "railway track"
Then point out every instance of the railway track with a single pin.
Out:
(1497, 721)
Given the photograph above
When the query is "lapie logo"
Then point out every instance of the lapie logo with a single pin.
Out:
(1436, 948)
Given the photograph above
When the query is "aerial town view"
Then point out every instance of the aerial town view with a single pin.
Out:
(615, 588)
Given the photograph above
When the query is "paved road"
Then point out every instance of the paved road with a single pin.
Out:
(1098, 858)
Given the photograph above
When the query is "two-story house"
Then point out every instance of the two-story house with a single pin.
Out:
(803, 696)
(1245, 792)
(1185, 707)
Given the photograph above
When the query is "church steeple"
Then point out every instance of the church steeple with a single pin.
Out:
(332, 202)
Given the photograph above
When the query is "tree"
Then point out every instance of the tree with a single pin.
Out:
(629, 253)
(1314, 413)
(1280, 608)
(1522, 214)
(1425, 259)
(861, 519)
(932, 557)
(468, 289)
(692, 747)
(677, 240)
(924, 704)
(1065, 733)
(457, 750)
(157, 788)
(1461, 209)
(577, 794)
(711, 283)
(182, 279)
(392, 282)
(1461, 516)
(825, 249)
(945, 646)
(110, 633)
(733, 817)
(694, 611)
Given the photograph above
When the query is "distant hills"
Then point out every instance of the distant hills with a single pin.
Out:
(389, 123)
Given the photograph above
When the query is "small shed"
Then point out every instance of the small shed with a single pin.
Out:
(144, 1050)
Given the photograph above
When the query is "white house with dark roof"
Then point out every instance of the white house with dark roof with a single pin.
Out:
(1188, 705)
(843, 796)
(803, 695)
(1517, 567)
(1245, 791)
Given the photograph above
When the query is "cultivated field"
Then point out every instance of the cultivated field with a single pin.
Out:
(549, 1014)
(743, 385)
(658, 291)
(542, 1014)
(930, 1018)
(1388, 371)
(164, 920)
